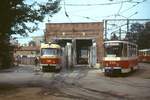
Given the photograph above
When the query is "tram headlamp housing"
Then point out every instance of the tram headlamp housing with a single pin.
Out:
(106, 64)
(117, 64)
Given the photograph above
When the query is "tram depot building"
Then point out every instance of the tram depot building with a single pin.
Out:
(82, 43)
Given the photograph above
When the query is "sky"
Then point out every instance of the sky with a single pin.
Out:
(93, 11)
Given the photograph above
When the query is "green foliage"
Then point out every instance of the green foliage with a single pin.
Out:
(16, 15)
(32, 43)
(140, 33)
(15, 18)
(136, 28)
(114, 37)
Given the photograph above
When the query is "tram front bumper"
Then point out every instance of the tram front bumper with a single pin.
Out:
(117, 70)
(112, 70)
(54, 66)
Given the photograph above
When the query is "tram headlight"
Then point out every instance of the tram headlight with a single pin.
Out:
(49, 61)
(117, 64)
(54, 62)
(106, 64)
(111, 62)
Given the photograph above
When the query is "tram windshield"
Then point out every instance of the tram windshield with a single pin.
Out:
(50, 51)
(113, 49)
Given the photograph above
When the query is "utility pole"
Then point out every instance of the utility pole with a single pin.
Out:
(120, 33)
(127, 25)
(105, 29)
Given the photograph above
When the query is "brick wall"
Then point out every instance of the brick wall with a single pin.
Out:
(77, 30)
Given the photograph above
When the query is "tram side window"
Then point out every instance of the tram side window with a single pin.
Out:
(147, 53)
(144, 53)
(124, 51)
(132, 50)
(135, 51)
(129, 51)
(141, 53)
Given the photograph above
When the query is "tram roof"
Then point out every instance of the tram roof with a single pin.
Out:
(51, 45)
(118, 41)
(144, 50)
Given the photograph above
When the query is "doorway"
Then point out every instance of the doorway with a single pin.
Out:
(78, 52)
(83, 51)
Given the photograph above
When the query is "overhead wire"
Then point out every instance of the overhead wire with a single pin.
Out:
(66, 13)
(120, 7)
(95, 5)
(133, 6)
(68, 16)
(117, 14)
(86, 17)
(100, 4)
(119, 11)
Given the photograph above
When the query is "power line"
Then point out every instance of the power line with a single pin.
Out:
(119, 11)
(133, 6)
(86, 17)
(66, 14)
(118, 14)
(100, 4)
(120, 8)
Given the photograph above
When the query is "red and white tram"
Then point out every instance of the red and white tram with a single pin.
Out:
(120, 57)
(144, 55)
(50, 57)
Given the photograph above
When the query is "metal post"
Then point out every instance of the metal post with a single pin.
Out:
(127, 25)
(120, 33)
(105, 29)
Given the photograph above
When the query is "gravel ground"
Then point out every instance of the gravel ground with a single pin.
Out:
(29, 83)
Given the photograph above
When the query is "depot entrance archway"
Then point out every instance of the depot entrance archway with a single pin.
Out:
(79, 52)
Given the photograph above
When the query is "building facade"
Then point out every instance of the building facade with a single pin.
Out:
(26, 54)
(82, 42)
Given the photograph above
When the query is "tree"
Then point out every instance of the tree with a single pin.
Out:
(32, 43)
(114, 37)
(136, 29)
(140, 34)
(144, 37)
(15, 18)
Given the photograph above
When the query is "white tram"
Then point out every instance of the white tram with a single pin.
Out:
(144, 55)
(120, 57)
